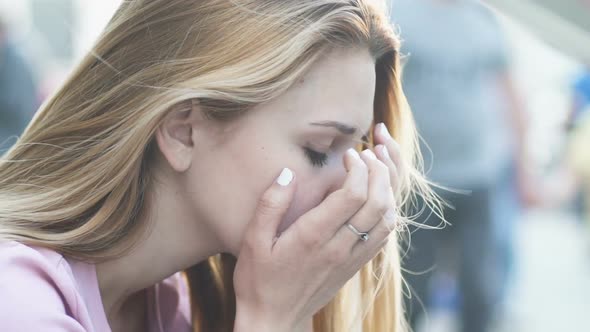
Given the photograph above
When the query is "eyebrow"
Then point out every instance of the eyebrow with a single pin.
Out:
(341, 127)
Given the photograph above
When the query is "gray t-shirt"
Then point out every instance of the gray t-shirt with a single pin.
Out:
(455, 51)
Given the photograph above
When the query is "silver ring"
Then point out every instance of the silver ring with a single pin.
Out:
(363, 236)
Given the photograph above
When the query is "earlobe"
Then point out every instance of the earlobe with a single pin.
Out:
(174, 137)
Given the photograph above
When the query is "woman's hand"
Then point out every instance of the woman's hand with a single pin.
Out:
(388, 151)
(280, 283)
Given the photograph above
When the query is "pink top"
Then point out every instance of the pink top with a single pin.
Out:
(40, 290)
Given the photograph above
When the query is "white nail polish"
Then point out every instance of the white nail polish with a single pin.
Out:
(369, 154)
(285, 177)
(353, 153)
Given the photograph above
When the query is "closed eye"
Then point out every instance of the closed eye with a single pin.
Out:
(317, 159)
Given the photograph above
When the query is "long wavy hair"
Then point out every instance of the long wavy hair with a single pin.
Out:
(77, 179)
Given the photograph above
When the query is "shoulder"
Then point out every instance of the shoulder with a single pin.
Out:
(34, 287)
(21, 264)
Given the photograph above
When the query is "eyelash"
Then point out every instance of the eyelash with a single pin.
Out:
(317, 159)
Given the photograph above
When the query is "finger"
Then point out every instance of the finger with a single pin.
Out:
(379, 235)
(270, 210)
(382, 136)
(383, 155)
(380, 199)
(318, 226)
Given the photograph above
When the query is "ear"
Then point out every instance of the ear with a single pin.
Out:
(175, 135)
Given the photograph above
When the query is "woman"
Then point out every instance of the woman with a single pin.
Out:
(160, 155)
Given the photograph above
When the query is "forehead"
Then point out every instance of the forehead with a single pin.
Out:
(340, 86)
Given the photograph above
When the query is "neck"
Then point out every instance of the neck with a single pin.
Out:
(173, 243)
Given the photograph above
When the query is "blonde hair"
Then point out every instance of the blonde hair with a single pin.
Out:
(76, 180)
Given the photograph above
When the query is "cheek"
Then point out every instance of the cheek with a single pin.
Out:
(225, 187)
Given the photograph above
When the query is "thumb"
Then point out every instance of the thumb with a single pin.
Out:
(272, 206)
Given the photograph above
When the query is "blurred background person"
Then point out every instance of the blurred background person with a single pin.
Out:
(581, 95)
(473, 125)
(18, 91)
(579, 139)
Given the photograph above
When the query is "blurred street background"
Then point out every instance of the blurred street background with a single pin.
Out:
(542, 239)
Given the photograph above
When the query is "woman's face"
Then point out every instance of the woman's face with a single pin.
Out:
(307, 129)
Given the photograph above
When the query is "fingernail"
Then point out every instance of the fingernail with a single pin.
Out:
(285, 177)
(383, 130)
(384, 151)
(353, 153)
(369, 154)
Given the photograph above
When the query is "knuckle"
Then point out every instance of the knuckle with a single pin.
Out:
(249, 247)
(269, 204)
(355, 195)
(309, 238)
(390, 218)
(249, 244)
(380, 204)
(381, 233)
(336, 256)
(385, 233)
(383, 207)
